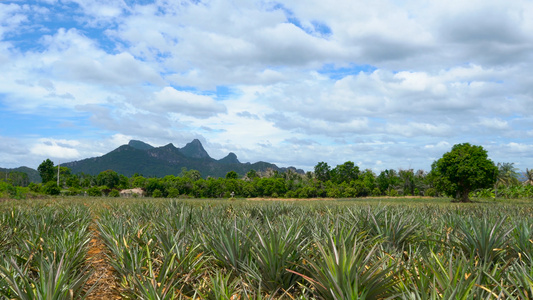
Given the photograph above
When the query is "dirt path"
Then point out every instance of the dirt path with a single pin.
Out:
(103, 279)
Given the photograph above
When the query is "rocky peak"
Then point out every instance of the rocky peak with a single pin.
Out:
(231, 158)
(140, 145)
(194, 149)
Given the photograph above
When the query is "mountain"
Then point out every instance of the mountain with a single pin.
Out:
(139, 157)
(195, 149)
(231, 158)
(33, 175)
(140, 145)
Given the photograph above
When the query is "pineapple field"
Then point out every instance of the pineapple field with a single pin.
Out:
(145, 248)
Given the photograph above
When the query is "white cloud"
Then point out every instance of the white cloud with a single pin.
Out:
(173, 101)
(520, 148)
(334, 76)
(417, 129)
(494, 123)
(58, 149)
(11, 16)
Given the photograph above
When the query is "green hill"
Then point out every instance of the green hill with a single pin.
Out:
(139, 157)
(32, 175)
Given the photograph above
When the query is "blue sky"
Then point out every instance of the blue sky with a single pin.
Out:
(384, 84)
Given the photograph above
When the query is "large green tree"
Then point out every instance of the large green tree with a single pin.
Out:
(46, 170)
(465, 168)
(108, 178)
(323, 171)
(346, 172)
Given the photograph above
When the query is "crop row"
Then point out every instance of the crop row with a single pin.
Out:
(322, 251)
(43, 252)
(209, 249)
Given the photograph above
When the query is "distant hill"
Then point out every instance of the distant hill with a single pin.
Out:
(139, 157)
(33, 175)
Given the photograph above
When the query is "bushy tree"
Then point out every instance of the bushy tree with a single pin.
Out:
(322, 171)
(46, 170)
(108, 178)
(194, 175)
(232, 175)
(346, 172)
(94, 192)
(387, 181)
(252, 174)
(51, 188)
(465, 168)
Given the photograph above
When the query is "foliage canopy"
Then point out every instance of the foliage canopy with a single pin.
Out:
(46, 170)
(462, 170)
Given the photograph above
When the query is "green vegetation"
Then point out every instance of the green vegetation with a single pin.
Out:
(43, 250)
(464, 169)
(463, 173)
(221, 249)
(352, 248)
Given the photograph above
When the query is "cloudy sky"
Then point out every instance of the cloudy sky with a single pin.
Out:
(382, 83)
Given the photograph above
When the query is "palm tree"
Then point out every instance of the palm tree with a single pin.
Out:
(507, 174)
(528, 174)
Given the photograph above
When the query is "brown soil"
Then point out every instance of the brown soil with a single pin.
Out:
(103, 280)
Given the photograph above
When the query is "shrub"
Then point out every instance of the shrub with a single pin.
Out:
(431, 192)
(291, 194)
(36, 188)
(173, 193)
(157, 193)
(51, 188)
(333, 192)
(114, 193)
(94, 192)
(72, 191)
(105, 190)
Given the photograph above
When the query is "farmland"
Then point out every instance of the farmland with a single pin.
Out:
(146, 248)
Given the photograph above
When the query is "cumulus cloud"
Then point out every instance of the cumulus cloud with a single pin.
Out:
(494, 123)
(171, 100)
(285, 80)
(60, 149)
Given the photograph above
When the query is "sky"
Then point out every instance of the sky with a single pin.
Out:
(385, 84)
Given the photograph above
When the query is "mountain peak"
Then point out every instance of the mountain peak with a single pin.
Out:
(140, 145)
(231, 158)
(194, 149)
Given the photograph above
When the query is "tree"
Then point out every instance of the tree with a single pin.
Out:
(528, 174)
(387, 180)
(322, 171)
(407, 180)
(465, 168)
(507, 174)
(64, 176)
(46, 170)
(232, 175)
(108, 178)
(345, 172)
(251, 175)
(194, 175)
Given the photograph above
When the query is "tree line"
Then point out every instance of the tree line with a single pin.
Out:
(463, 172)
(343, 181)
